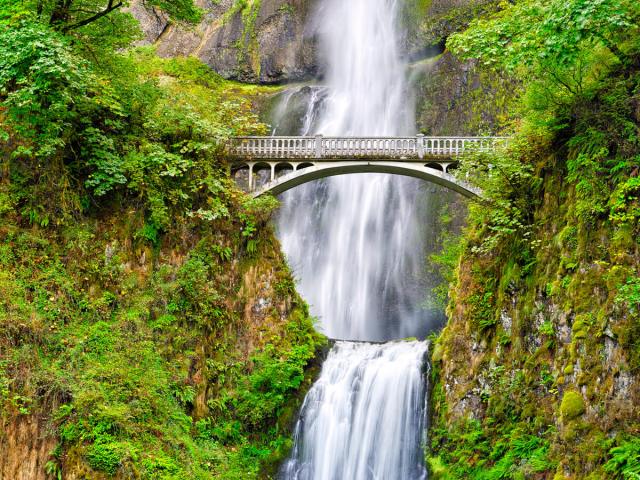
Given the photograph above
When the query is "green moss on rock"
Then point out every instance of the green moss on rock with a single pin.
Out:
(572, 405)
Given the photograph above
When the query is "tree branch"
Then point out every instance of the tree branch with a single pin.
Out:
(111, 6)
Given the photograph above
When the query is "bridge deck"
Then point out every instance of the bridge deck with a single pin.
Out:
(320, 148)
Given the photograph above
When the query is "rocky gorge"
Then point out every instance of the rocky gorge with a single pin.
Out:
(150, 326)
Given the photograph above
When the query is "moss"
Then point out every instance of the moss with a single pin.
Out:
(572, 405)
(247, 46)
(581, 325)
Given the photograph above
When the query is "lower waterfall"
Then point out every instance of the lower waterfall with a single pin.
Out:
(364, 416)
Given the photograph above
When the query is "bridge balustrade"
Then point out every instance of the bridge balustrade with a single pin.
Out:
(322, 148)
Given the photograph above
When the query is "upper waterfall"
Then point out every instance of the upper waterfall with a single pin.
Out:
(368, 92)
(355, 242)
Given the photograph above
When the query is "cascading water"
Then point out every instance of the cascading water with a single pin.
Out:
(357, 249)
(355, 241)
(363, 418)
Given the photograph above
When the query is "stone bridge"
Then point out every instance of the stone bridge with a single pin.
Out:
(276, 164)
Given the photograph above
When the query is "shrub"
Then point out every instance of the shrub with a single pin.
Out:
(625, 460)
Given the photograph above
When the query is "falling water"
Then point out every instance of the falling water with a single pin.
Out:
(357, 249)
(361, 419)
(355, 241)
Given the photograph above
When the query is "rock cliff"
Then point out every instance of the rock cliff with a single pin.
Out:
(256, 41)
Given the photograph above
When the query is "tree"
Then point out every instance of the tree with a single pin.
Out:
(550, 38)
(67, 15)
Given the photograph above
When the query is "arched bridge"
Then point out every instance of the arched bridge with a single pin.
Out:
(276, 164)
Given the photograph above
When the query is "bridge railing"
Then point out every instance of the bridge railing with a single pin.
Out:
(319, 147)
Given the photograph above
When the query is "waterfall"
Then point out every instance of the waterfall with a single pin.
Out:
(356, 246)
(355, 241)
(362, 419)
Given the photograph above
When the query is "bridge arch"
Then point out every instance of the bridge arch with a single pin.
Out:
(283, 168)
(322, 170)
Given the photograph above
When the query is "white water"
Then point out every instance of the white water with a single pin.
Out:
(363, 418)
(354, 241)
(356, 247)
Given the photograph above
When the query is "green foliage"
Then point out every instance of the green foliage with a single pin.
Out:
(629, 295)
(547, 329)
(509, 185)
(106, 456)
(272, 379)
(257, 211)
(548, 36)
(625, 460)
(444, 263)
(182, 10)
(625, 202)
(482, 311)
(592, 193)
(481, 454)
(40, 80)
(561, 50)
(53, 469)
(114, 128)
(148, 232)
(94, 21)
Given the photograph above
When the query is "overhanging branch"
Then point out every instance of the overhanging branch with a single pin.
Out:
(111, 6)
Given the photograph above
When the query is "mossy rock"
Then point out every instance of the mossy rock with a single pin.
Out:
(572, 405)
(438, 353)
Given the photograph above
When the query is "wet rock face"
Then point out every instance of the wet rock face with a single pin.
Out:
(266, 41)
(432, 25)
(458, 97)
(152, 21)
(25, 448)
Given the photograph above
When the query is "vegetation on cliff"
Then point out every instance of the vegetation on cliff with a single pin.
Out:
(147, 318)
(146, 314)
(536, 374)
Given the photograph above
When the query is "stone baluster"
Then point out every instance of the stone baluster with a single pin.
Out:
(319, 150)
